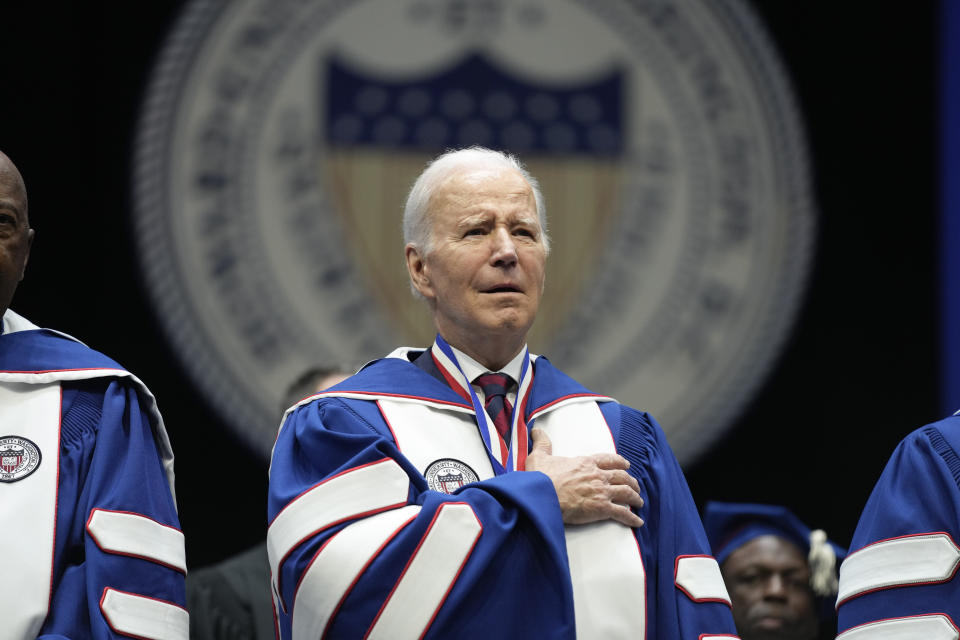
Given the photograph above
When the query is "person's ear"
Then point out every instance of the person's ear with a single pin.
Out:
(26, 257)
(419, 273)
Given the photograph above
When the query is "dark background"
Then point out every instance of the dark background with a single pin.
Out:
(859, 370)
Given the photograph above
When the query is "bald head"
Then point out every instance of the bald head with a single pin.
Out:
(12, 185)
(16, 236)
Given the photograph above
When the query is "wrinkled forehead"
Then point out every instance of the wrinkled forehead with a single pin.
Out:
(471, 190)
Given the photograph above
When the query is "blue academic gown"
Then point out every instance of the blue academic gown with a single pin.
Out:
(116, 543)
(512, 579)
(901, 574)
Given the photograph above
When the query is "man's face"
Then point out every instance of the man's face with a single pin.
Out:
(769, 583)
(484, 274)
(15, 232)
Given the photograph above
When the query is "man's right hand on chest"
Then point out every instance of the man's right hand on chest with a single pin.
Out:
(590, 488)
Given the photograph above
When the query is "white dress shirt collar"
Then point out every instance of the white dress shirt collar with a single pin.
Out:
(472, 369)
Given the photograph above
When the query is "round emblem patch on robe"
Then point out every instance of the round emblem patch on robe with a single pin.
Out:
(447, 475)
(19, 458)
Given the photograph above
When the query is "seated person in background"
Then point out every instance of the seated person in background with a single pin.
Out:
(408, 502)
(781, 576)
(90, 539)
(231, 600)
(902, 579)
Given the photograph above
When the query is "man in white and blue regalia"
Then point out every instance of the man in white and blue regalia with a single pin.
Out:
(901, 580)
(413, 501)
(91, 542)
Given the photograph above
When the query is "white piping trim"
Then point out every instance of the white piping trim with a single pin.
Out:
(563, 403)
(700, 579)
(132, 534)
(141, 617)
(373, 397)
(898, 562)
(430, 574)
(337, 565)
(353, 493)
(29, 508)
(381, 396)
(928, 627)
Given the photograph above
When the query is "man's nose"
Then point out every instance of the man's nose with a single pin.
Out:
(504, 250)
(775, 587)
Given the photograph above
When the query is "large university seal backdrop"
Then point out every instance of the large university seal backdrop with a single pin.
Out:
(279, 138)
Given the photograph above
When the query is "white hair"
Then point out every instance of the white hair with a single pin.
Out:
(417, 228)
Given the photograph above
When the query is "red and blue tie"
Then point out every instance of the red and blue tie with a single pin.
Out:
(495, 387)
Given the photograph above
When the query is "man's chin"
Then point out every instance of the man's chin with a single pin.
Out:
(506, 300)
(774, 628)
(765, 634)
(508, 317)
(772, 623)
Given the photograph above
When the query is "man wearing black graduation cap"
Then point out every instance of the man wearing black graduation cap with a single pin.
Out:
(781, 576)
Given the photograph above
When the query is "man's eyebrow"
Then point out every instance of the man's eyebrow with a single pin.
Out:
(479, 218)
(765, 567)
(9, 206)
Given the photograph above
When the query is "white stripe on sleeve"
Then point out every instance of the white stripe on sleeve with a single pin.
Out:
(336, 567)
(131, 534)
(140, 617)
(699, 577)
(360, 491)
(898, 562)
(931, 627)
(430, 574)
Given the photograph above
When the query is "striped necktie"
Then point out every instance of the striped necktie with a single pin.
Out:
(495, 387)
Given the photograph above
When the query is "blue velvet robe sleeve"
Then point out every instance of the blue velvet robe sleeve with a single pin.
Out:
(515, 581)
(918, 492)
(108, 460)
(672, 529)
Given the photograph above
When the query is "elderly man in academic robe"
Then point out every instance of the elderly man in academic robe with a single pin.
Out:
(471, 489)
(91, 542)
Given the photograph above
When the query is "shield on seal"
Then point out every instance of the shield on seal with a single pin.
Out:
(451, 481)
(10, 461)
(379, 131)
